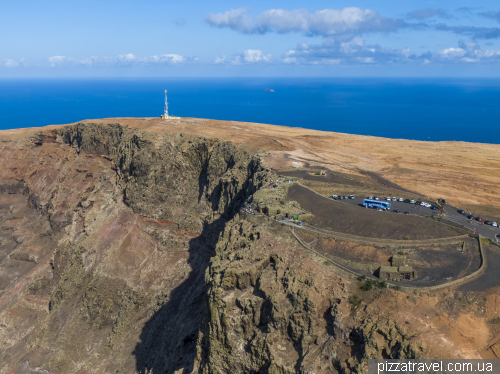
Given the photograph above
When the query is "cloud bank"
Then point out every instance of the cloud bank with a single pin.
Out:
(326, 22)
(356, 51)
(128, 59)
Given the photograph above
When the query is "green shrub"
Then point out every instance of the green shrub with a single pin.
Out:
(368, 285)
(381, 284)
(361, 277)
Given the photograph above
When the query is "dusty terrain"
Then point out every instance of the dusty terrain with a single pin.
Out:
(463, 173)
(122, 251)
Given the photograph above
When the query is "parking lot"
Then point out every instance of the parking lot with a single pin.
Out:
(346, 216)
(402, 206)
(451, 215)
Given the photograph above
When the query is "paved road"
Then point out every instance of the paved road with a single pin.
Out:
(451, 214)
(485, 230)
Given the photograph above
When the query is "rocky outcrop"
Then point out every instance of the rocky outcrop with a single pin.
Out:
(263, 315)
(186, 179)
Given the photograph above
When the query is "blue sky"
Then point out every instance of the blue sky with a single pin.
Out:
(55, 38)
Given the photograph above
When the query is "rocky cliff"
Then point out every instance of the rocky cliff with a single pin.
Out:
(122, 252)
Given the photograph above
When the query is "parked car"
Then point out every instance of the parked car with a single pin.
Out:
(479, 219)
(351, 197)
(433, 207)
(376, 198)
(461, 211)
(422, 203)
(370, 197)
(498, 235)
(400, 199)
(333, 197)
(407, 201)
(407, 212)
(487, 222)
(388, 198)
(470, 216)
(427, 205)
(393, 199)
(412, 201)
(494, 224)
(396, 210)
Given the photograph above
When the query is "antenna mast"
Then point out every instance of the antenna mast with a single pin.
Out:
(166, 106)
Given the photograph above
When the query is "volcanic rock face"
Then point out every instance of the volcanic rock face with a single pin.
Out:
(106, 235)
(122, 252)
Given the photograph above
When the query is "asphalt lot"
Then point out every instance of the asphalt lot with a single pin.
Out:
(402, 206)
(451, 215)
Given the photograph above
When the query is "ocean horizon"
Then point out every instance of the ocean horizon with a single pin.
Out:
(432, 109)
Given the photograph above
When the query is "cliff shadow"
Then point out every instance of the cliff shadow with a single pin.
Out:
(169, 338)
(168, 341)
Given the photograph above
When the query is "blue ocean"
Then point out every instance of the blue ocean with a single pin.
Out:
(421, 109)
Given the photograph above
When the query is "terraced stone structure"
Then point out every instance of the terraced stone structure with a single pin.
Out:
(399, 270)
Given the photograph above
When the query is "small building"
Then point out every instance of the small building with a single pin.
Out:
(399, 270)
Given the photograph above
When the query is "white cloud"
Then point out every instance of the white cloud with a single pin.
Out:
(348, 21)
(68, 61)
(451, 53)
(255, 55)
(289, 58)
(236, 19)
(57, 60)
(333, 51)
(251, 56)
(236, 61)
(468, 52)
(220, 60)
(128, 59)
(10, 63)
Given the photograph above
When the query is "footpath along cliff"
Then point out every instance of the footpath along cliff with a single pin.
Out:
(122, 251)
